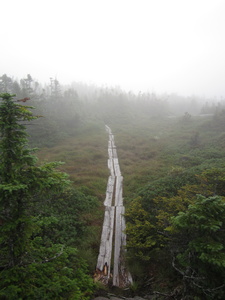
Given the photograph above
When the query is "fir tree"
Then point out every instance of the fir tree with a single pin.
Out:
(30, 267)
(16, 162)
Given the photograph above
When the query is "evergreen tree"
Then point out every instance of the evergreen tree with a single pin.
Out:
(5, 84)
(16, 162)
(31, 267)
(26, 85)
(198, 248)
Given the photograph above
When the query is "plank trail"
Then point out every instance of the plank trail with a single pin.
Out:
(113, 229)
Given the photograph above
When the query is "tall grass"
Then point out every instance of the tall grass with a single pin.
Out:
(148, 148)
(85, 159)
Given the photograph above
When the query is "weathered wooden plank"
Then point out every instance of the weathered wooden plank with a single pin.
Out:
(123, 228)
(111, 167)
(105, 251)
(114, 153)
(119, 191)
(116, 167)
(110, 152)
(108, 129)
(114, 223)
(121, 276)
(109, 191)
(117, 247)
(111, 140)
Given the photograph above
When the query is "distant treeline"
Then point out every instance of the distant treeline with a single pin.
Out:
(66, 108)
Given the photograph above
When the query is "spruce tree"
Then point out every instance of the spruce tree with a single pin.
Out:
(32, 266)
(16, 162)
(22, 181)
(198, 247)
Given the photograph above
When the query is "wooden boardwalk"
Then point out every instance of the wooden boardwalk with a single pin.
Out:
(113, 239)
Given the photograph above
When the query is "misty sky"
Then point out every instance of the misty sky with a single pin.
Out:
(141, 45)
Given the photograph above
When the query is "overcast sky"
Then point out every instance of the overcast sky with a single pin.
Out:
(141, 45)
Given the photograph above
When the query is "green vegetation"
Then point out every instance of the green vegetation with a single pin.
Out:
(38, 261)
(198, 247)
(161, 245)
(172, 161)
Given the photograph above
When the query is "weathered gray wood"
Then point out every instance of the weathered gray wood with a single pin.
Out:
(105, 251)
(119, 190)
(110, 152)
(109, 191)
(111, 167)
(121, 276)
(113, 225)
(116, 167)
(117, 247)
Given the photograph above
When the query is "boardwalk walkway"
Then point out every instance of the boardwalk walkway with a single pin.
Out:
(113, 239)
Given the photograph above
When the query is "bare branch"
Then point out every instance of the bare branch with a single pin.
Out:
(54, 257)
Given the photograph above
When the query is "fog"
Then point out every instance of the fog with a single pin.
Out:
(140, 45)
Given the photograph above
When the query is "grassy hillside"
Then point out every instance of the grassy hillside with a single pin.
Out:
(148, 149)
(151, 149)
(85, 156)
(167, 157)
(158, 156)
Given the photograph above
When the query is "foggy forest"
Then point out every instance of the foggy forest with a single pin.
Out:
(79, 161)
